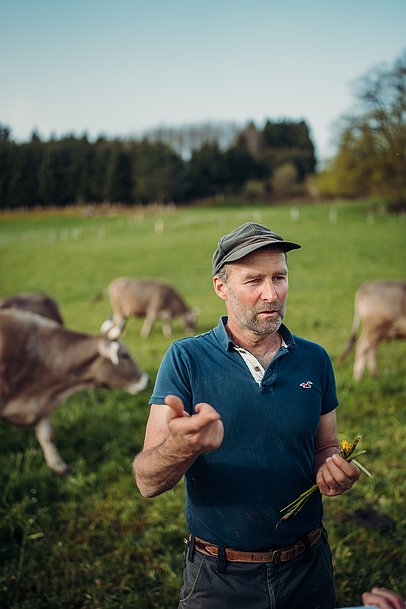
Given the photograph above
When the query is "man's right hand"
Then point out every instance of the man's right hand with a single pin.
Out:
(202, 432)
(173, 441)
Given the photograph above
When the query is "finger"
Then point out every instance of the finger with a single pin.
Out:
(207, 410)
(382, 601)
(332, 475)
(326, 483)
(350, 469)
(339, 472)
(395, 600)
(203, 419)
(176, 406)
(386, 592)
(374, 599)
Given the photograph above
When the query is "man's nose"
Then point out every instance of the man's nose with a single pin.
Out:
(268, 290)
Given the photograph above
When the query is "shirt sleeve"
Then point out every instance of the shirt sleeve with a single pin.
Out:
(174, 377)
(330, 401)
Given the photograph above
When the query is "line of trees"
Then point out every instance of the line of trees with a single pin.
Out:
(189, 163)
(371, 151)
(263, 162)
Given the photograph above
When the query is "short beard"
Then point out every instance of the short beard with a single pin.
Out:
(250, 321)
(263, 330)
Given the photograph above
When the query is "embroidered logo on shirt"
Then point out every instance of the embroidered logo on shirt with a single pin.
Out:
(306, 385)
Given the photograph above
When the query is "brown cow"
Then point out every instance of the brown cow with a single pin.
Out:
(147, 298)
(35, 302)
(381, 307)
(42, 363)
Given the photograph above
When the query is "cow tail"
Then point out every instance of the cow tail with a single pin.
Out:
(353, 338)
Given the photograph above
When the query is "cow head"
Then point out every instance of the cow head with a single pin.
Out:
(190, 319)
(116, 369)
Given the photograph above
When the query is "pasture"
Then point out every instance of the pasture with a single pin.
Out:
(89, 540)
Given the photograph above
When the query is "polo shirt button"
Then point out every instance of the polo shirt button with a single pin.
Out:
(257, 368)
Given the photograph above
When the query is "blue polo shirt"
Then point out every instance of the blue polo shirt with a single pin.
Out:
(234, 494)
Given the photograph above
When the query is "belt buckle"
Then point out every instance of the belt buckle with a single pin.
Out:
(276, 555)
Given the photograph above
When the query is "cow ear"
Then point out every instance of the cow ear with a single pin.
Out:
(109, 350)
(110, 330)
(106, 326)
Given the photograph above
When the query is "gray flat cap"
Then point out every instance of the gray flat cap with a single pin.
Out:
(246, 239)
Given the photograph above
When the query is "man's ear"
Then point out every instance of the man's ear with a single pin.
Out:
(220, 287)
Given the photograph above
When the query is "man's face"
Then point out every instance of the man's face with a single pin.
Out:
(256, 290)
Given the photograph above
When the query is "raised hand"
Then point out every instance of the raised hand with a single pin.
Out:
(193, 435)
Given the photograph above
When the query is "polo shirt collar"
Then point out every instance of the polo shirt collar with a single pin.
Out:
(227, 344)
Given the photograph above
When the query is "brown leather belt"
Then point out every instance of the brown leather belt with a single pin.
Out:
(281, 554)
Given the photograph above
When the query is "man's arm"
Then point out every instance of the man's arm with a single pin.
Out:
(333, 474)
(173, 441)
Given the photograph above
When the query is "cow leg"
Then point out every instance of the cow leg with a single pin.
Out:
(119, 321)
(44, 434)
(147, 325)
(117, 318)
(166, 328)
(360, 360)
(371, 361)
(166, 324)
(366, 355)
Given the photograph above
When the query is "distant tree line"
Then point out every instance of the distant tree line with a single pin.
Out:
(185, 164)
(164, 166)
(371, 151)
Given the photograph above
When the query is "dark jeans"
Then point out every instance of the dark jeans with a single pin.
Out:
(305, 582)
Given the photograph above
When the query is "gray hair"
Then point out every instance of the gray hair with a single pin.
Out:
(223, 274)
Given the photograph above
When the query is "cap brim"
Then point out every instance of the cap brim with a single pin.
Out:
(285, 246)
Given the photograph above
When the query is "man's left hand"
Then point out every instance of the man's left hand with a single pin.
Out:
(336, 476)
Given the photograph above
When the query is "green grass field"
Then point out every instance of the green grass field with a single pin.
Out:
(90, 540)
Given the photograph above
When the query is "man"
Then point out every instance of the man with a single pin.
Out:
(247, 413)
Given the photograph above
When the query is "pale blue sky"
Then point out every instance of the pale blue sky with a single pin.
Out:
(118, 68)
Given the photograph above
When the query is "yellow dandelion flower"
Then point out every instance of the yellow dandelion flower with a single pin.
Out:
(345, 445)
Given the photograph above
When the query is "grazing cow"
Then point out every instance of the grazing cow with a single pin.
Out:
(147, 298)
(34, 302)
(381, 307)
(42, 363)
